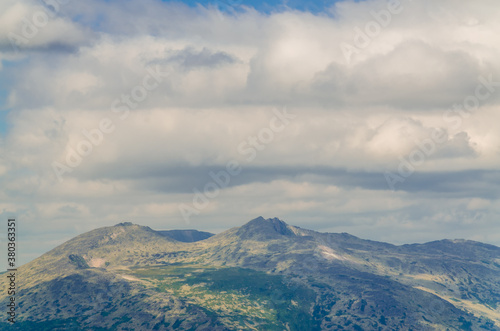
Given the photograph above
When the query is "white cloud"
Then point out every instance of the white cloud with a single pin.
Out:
(32, 25)
(224, 77)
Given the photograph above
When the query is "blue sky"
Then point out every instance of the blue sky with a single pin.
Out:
(267, 6)
(385, 127)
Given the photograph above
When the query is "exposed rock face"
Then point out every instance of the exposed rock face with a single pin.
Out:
(264, 275)
(78, 261)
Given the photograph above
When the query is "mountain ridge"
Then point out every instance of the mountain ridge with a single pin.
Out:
(280, 276)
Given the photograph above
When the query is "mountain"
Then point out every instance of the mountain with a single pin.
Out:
(187, 236)
(262, 230)
(264, 275)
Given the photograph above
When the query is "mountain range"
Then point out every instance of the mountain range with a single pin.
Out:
(264, 275)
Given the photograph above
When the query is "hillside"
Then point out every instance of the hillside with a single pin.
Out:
(264, 275)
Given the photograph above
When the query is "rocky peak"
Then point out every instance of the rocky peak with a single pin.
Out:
(124, 224)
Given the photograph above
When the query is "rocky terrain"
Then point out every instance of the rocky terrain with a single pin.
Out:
(264, 275)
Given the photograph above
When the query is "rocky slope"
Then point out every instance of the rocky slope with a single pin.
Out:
(264, 275)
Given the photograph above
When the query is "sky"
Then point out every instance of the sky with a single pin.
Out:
(377, 118)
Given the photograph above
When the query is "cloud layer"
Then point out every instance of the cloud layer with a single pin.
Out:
(122, 111)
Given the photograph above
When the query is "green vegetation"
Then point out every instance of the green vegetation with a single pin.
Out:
(79, 261)
(239, 296)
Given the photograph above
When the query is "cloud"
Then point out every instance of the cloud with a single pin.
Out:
(190, 58)
(414, 75)
(183, 88)
(37, 26)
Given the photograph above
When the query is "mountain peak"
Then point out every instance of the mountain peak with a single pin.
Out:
(264, 229)
(125, 224)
